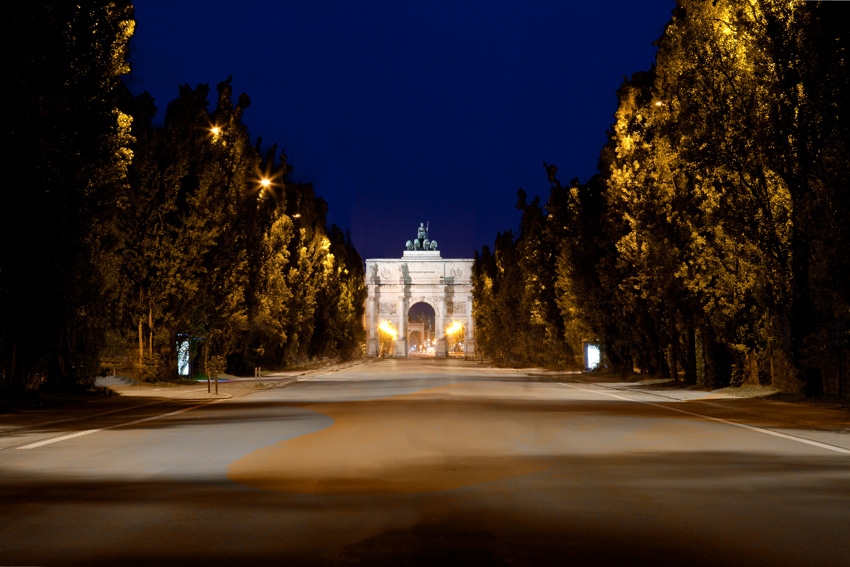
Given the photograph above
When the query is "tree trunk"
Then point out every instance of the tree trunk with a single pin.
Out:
(772, 372)
(141, 350)
(663, 367)
(141, 341)
(12, 381)
(150, 330)
(717, 360)
(674, 348)
(691, 357)
(841, 378)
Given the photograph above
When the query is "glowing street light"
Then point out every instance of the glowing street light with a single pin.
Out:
(455, 328)
(388, 336)
(265, 182)
(387, 328)
(216, 135)
(455, 335)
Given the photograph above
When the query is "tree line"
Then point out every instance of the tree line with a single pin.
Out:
(713, 243)
(122, 238)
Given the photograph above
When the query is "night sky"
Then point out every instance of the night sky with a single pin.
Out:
(403, 112)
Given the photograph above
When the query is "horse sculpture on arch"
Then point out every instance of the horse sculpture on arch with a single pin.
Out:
(421, 242)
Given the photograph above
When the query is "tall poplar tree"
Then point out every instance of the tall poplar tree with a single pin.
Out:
(67, 154)
(712, 240)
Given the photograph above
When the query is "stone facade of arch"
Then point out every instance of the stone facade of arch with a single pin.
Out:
(419, 276)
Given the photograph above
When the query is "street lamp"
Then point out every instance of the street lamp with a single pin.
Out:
(387, 337)
(454, 328)
(455, 332)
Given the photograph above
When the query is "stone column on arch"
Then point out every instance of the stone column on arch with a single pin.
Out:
(371, 331)
(469, 344)
(440, 331)
(401, 341)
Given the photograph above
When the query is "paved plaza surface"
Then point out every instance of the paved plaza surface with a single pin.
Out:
(425, 462)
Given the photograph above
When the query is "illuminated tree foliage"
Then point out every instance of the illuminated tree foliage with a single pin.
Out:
(185, 254)
(242, 268)
(121, 238)
(67, 152)
(713, 243)
(517, 316)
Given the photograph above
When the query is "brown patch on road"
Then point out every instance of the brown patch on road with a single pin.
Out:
(437, 439)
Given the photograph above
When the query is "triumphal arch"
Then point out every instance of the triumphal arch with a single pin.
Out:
(397, 286)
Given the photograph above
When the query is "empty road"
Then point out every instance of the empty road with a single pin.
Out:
(428, 462)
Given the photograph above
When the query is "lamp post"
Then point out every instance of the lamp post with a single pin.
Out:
(456, 328)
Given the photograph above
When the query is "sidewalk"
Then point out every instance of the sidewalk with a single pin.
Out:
(132, 396)
(228, 386)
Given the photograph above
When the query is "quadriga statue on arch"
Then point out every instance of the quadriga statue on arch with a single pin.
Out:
(421, 242)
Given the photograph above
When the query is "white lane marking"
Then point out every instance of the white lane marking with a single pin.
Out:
(196, 390)
(90, 431)
(80, 418)
(720, 420)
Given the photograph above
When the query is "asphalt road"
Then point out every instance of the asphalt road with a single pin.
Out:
(418, 462)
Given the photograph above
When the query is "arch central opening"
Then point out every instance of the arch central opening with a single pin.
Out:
(421, 337)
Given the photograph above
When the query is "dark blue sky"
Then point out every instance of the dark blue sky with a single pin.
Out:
(401, 112)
